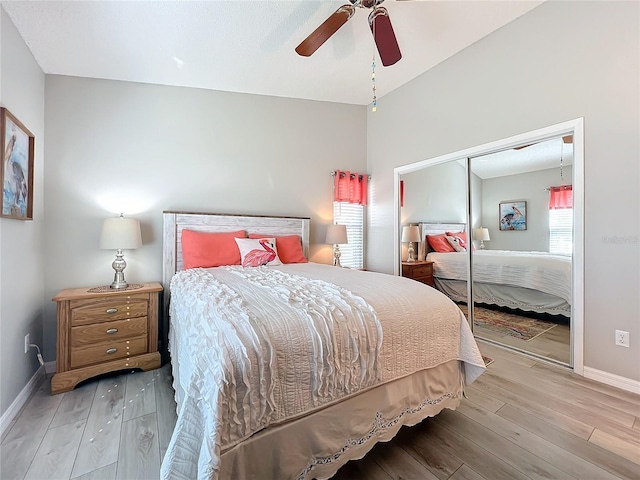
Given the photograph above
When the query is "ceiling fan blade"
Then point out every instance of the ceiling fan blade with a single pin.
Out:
(523, 146)
(321, 34)
(384, 36)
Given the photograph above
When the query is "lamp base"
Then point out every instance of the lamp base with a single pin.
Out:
(119, 265)
(336, 256)
(412, 254)
(481, 244)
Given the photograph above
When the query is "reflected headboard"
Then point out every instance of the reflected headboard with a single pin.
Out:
(427, 228)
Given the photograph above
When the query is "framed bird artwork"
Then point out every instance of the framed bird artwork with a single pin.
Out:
(17, 147)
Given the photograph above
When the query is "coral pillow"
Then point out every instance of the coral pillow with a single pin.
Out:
(204, 249)
(439, 243)
(258, 251)
(289, 248)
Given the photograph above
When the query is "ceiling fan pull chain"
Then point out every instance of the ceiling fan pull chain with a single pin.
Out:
(373, 82)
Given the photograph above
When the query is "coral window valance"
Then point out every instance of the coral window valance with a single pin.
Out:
(350, 187)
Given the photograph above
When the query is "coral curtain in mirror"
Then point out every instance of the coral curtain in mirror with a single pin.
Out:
(560, 197)
(350, 187)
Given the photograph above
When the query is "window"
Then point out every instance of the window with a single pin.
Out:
(351, 215)
(561, 231)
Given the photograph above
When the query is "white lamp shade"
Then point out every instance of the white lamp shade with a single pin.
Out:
(481, 234)
(120, 233)
(336, 234)
(411, 233)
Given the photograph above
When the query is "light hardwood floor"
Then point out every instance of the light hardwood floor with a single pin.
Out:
(523, 419)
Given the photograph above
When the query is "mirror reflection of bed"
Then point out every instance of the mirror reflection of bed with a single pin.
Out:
(522, 292)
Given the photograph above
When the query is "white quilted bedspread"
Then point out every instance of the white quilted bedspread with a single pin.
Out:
(540, 271)
(254, 347)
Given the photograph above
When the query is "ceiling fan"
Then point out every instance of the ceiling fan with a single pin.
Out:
(565, 140)
(379, 22)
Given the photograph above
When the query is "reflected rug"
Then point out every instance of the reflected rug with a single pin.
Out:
(510, 324)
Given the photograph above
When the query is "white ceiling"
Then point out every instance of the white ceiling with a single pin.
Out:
(539, 156)
(248, 46)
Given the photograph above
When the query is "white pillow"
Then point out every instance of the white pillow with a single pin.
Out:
(455, 243)
(258, 251)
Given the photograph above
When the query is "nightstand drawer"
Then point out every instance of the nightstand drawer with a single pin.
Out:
(88, 311)
(103, 352)
(108, 331)
(422, 271)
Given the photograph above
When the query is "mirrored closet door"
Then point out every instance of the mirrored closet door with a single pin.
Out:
(514, 208)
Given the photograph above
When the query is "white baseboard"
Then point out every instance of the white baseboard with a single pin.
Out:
(50, 367)
(22, 398)
(612, 379)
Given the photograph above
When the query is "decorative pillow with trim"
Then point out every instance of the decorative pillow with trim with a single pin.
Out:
(456, 244)
(461, 236)
(258, 251)
(289, 247)
(209, 249)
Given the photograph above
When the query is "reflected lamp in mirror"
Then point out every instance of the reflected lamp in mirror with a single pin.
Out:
(336, 235)
(410, 235)
(120, 234)
(481, 234)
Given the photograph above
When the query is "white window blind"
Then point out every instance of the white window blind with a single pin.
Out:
(561, 231)
(351, 215)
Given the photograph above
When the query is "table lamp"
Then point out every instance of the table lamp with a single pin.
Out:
(481, 234)
(411, 234)
(120, 234)
(336, 234)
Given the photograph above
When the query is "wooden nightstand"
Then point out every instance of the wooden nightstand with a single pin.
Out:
(422, 271)
(105, 332)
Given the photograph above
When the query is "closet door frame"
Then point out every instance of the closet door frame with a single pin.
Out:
(572, 127)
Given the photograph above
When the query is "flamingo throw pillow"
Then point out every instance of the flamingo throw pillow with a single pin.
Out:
(258, 251)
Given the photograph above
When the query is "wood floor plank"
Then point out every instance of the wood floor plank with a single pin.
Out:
(101, 438)
(140, 395)
(75, 405)
(473, 455)
(398, 463)
(604, 459)
(604, 405)
(519, 458)
(57, 452)
(559, 457)
(437, 460)
(613, 443)
(520, 398)
(139, 451)
(465, 473)
(636, 424)
(104, 473)
(21, 443)
(165, 407)
(480, 398)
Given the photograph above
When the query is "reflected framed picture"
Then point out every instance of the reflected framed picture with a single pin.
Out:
(17, 147)
(513, 215)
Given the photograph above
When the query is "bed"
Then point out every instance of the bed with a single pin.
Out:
(289, 371)
(537, 282)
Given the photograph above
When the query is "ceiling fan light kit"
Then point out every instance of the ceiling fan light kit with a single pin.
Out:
(379, 22)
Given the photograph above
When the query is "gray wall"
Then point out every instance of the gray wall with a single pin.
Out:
(21, 251)
(562, 60)
(141, 149)
(525, 186)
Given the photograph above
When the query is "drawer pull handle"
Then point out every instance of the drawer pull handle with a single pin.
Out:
(112, 331)
(111, 350)
(112, 310)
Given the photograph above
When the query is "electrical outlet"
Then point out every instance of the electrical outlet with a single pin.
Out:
(27, 342)
(622, 338)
